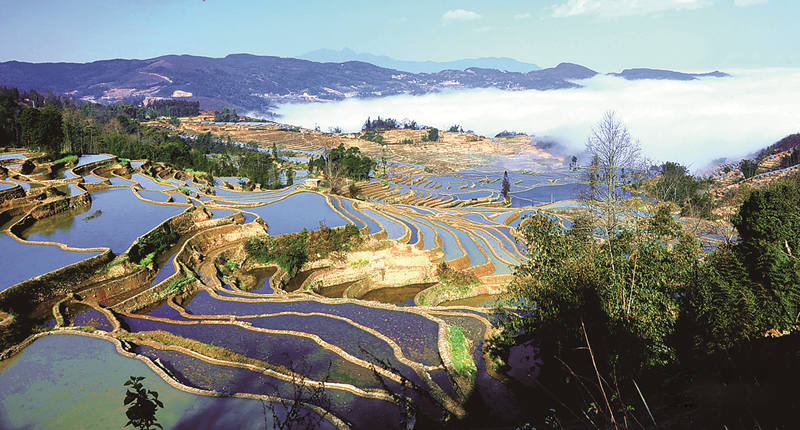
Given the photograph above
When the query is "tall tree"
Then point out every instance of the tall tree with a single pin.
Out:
(9, 114)
(433, 134)
(614, 152)
(748, 168)
(506, 186)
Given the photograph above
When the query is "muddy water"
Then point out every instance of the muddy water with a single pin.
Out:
(479, 300)
(337, 290)
(396, 295)
(298, 280)
(262, 280)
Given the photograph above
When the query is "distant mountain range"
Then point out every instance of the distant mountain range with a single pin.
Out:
(642, 73)
(345, 55)
(258, 83)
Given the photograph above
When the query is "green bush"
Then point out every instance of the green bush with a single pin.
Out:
(155, 242)
(460, 354)
(291, 251)
(458, 279)
(627, 291)
(287, 251)
(66, 159)
(147, 259)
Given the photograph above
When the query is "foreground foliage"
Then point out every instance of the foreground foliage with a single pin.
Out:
(141, 404)
(646, 302)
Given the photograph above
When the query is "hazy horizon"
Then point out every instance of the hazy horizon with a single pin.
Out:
(692, 122)
(603, 34)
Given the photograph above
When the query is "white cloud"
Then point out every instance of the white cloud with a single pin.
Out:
(691, 122)
(525, 15)
(459, 15)
(744, 3)
(483, 29)
(613, 8)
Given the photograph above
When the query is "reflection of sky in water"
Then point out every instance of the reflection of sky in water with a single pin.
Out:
(121, 220)
(21, 262)
(40, 387)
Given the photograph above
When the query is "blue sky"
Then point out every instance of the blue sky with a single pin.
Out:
(607, 35)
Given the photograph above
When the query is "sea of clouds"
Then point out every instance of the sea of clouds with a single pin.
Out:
(692, 122)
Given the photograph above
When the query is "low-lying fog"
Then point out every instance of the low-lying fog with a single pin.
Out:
(692, 122)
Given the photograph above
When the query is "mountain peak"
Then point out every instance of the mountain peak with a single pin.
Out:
(346, 54)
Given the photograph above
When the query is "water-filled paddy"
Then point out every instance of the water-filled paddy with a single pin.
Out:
(276, 349)
(75, 382)
(91, 158)
(21, 262)
(197, 373)
(83, 315)
(296, 212)
(372, 225)
(394, 229)
(449, 244)
(12, 156)
(396, 295)
(115, 219)
(25, 185)
(547, 194)
(473, 249)
(416, 335)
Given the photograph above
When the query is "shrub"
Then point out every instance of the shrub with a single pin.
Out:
(66, 159)
(359, 264)
(154, 242)
(458, 279)
(463, 363)
(287, 251)
(627, 290)
(147, 259)
(433, 134)
(354, 190)
(291, 251)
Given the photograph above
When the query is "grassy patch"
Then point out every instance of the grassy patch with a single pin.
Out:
(460, 280)
(195, 172)
(175, 287)
(359, 264)
(66, 159)
(116, 262)
(147, 259)
(208, 350)
(463, 363)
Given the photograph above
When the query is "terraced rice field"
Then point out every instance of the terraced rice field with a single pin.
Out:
(267, 338)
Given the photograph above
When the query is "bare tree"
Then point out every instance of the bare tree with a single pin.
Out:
(616, 157)
(305, 407)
